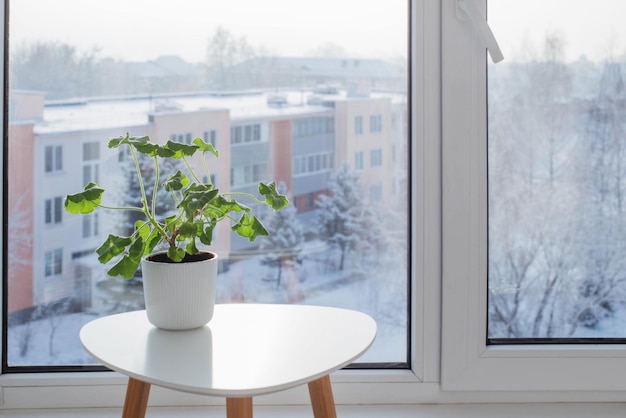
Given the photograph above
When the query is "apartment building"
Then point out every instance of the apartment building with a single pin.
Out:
(296, 138)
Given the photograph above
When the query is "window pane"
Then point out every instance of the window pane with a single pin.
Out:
(557, 224)
(271, 116)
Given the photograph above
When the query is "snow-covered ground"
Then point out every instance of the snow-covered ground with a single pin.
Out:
(316, 281)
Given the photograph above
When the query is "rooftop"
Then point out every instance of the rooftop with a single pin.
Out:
(103, 113)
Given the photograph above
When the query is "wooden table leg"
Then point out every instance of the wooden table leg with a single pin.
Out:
(238, 407)
(136, 402)
(322, 400)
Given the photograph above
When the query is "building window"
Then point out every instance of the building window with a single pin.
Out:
(245, 134)
(376, 123)
(53, 263)
(53, 211)
(358, 125)
(358, 160)
(376, 157)
(248, 174)
(210, 137)
(53, 158)
(318, 125)
(91, 151)
(90, 225)
(185, 138)
(235, 135)
(91, 168)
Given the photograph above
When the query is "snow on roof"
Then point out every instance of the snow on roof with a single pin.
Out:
(99, 113)
(121, 112)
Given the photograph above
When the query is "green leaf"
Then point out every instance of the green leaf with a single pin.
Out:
(151, 242)
(175, 254)
(205, 147)
(114, 245)
(170, 223)
(85, 201)
(249, 228)
(221, 206)
(142, 229)
(187, 230)
(128, 140)
(276, 200)
(176, 181)
(180, 150)
(142, 144)
(151, 150)
(191, 247)
(206, 235)
(125, 267)
(135, 251)
(196, 199)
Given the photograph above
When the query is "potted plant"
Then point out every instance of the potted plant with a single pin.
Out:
(177, 294)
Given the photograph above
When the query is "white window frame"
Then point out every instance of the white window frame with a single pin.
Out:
(554, 372)
(418, 384)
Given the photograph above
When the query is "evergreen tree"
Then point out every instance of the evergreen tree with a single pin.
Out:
(283, 247)
(344, 217)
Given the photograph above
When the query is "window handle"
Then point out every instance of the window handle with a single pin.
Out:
(470, 8)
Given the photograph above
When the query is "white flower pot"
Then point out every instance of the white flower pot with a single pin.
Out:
(179, 296)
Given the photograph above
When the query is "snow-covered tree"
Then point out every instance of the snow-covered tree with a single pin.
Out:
(283, 247)
(59, 69)
(344, 216)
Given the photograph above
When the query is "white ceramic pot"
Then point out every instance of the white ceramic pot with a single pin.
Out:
(179, 296)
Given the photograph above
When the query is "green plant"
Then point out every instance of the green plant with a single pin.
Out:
(199, 207)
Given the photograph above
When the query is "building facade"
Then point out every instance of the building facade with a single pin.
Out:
(56, 148)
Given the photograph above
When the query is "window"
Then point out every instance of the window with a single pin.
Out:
(91, 151)
(313, 126)
(53, 210)
(90, 225)
(210, 137)
(248, 174)
(358, 160)
(358, 125)
(53, 265)
(376, 157)
(245, 134)
(54, 158)
(91, 167)
(79, 115)
(475, 219)
(185, 138)
(376, 123)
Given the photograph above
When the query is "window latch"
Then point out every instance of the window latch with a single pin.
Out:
(470, 8)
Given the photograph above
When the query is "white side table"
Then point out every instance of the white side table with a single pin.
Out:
(246, 350)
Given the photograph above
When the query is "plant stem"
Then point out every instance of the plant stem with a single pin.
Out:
(251, 196)
(191, 170)
(156, 184)
(206, 168)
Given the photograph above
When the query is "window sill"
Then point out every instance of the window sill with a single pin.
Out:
(574, 410)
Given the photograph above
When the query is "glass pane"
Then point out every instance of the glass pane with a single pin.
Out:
(277, 93)
(557, 171)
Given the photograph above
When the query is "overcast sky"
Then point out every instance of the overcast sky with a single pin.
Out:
(144, 29)
(595, 28)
